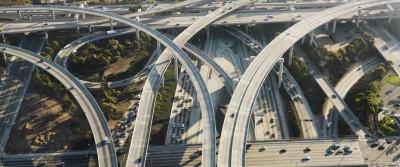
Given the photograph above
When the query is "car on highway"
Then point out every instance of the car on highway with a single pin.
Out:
(334, 147)
(381, 147)
(333, 96)
(339, 152)
(105, 141)
(60, 164)
(306, 150)
(328, 152)
(42, 163)
(261, 149)
(282, 151)
(306, 158)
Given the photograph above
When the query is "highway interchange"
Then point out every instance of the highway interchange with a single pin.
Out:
(247, 92)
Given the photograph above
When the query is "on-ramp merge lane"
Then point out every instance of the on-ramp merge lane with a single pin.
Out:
(253, 78)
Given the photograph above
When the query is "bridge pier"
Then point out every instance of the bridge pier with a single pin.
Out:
(3, 38)
(393, 12)
(90, 28)
(19, 14)
(111, 24)
(280, 72)
(76, 17)
(302, 40)
(53, 15)
(290, 56)
(83, 14)
(247, 28)
(334, 26)
(311, 34)
(46, 35)
(137, 30)
(158, 48)
(358, 21)
(137, 34)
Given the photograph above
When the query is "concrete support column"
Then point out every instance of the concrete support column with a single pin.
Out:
(53, 15)
(358, 21)
(176, 69)
(158, 48)
(137, 30)
(311, 34)
(290, 55)
(90, 28)
(334, 26)
(291, 6)
(162, 80)
(247, 28)
(19, 14)
(82, 6)
(392, 13)
(46, 35)
(3, 38)
(280, 72)
(302, 40)
(76, 17)
(137, 34)
(111, 24)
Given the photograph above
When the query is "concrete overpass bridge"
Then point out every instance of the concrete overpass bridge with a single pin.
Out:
(246, 16)
(231, 151)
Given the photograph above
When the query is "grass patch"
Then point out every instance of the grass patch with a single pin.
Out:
(163, 107)
(394, 80)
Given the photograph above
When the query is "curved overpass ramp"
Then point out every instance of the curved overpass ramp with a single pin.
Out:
(342, 87)
(64, 54)
(204, 99)
(98, 123)
(100, 21)
(138, 147)
(245, 93)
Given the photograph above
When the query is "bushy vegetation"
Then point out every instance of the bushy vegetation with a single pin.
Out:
(311, 89)
(337, 63)
(386, 126)
(14, 2)
(108, 99)
(95, 57)
(47, 84)
(365, 97)
(165, 96)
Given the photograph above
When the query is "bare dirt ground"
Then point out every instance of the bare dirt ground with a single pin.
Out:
(119, 66)
(44, 126)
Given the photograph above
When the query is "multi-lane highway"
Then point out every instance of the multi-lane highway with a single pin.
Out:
(330, 128)
(15, 85)
(98, 124)
(303, 110)
(308, 121)
(245, 93)
(250, 15)
(137, 151)
(337, 100)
